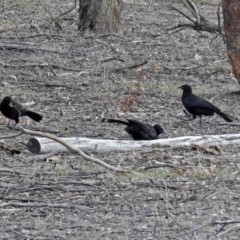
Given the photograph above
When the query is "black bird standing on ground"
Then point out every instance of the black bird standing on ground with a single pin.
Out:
(138, 130)
(14, 110)
(198, 106)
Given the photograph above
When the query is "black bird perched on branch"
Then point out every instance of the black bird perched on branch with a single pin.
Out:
(14, 110)
(138, 130)
(198, 106)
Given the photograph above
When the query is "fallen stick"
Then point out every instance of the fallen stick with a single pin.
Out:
(45, 145)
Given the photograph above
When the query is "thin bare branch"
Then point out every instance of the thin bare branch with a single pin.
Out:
(200, 23)
(12, 136)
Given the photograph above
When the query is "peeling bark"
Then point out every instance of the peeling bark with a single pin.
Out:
(231, 14)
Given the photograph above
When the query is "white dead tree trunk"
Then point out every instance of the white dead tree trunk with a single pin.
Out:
(45, 145)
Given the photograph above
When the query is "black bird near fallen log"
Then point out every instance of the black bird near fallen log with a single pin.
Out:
(14, 110)
(138, 130)
(197, 106)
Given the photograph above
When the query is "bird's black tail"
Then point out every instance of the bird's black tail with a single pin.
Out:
(225, 116)
(108, 120)
(35, 116)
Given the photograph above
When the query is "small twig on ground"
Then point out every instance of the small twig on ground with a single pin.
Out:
(57, 86)
(106, 35)
(214, 223)
(18, 47)
(226, 231)
(200, 227)
(55, 19)
(163, 165)
(228, 123)
(40, 205)
(134, 65)
(111, 58)
(12, 171)
(40, 35)
(15, 232)
(50, 65)
(51, 68)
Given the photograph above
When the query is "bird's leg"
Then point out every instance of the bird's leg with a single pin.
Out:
(192, 119)
(187, 113)
(10, 127)
(200, 124)
(8, 124)
(14, 127)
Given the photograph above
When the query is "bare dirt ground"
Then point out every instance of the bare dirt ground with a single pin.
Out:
(65, 197)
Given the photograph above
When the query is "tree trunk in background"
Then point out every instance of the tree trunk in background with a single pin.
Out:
(231, 15)
(100, 16)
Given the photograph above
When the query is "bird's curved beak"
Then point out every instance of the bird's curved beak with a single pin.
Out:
(180, 87)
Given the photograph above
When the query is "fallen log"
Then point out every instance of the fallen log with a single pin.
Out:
(46, 145)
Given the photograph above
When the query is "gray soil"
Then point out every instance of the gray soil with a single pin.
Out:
(195, 195)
